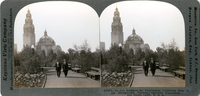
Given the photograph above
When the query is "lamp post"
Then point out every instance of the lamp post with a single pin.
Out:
(120, 48)
(32, 50)
(120, 58)
(32, 53)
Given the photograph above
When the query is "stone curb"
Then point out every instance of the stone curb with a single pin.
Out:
(44, 82)
(130, 84)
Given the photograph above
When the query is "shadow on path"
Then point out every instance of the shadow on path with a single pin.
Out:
(74, 77)
(163, 76)
(160, 79)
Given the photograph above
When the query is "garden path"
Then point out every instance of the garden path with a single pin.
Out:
(73, 80)
(160, 79)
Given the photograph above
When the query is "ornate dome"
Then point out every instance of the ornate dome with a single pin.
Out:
(46, 40)
(134, 38)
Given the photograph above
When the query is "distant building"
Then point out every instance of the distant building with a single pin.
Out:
(102, 46)
(46, 43)
(117, 36)
(29, 31)
(133, 41)
(15, 49)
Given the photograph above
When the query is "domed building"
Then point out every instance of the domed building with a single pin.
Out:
(46, 43)
(135, 42)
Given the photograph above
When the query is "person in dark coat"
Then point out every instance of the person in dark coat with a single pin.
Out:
(152, 66)
(145, 67)
(58, 68)
(65, 67)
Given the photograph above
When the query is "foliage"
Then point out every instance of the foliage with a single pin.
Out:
(29, 60)
(51, 56)
(116, 59)
(81, 55)
(138, 57)
(130, 55)
(171, 55)
(61, 55)
(42, 56)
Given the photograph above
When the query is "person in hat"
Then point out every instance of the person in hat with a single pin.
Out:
(145, 67)
(153, 67)
(58, 68)
(65, 67)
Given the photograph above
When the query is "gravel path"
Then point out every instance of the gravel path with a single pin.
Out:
(160, 79)
(73, 80)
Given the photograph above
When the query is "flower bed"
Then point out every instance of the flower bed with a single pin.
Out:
(115, 79)
(29, 80)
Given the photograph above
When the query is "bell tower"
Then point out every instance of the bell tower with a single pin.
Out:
(29, 31)
(117, 34)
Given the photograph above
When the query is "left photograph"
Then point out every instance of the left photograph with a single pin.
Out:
(56, 45)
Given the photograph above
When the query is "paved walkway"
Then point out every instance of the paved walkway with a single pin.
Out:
(160, 79)
(72, 80)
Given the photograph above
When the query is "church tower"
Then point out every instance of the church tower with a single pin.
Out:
(117, 34)
(29, 31)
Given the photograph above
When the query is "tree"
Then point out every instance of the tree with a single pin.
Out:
(130, 56)
(25, 53)
(71, 53)
(82, 56)
(85, 46)
(29, 60)
(42, 56)
(172, 55)
(160, 55)
(117, 59)
(61, 55)
(150, 54)
(138, 57)
(16, 60)
(51, 57)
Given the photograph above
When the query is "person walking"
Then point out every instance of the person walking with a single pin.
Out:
(58, 68)
(152, 66)
(65, 67)
(145, 67)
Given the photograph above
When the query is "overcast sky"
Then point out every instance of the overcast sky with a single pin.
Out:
(68, 23)
(153, 21)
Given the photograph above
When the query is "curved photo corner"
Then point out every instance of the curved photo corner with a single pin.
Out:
(56, 45)
(143, 45)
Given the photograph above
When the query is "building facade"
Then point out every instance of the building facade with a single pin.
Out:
(117, 35)
(29, 31)
(15, 49)
(46, 43)
(102, 46)
(133, 41)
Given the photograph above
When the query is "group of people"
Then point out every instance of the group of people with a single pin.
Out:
(146, 67)
(58, 66)
(152, 64)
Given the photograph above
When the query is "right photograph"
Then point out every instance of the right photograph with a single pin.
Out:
(142, 44)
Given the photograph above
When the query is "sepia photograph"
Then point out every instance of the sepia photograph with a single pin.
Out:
(142, 45)
(56, 45)
(100, 48)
